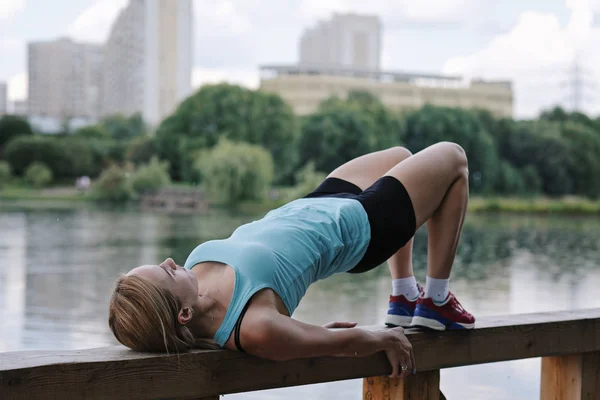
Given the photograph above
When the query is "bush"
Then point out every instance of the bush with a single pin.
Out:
(113, 185)
(140, 150)
(5, 173)
(81, 158)
(307, 180)
(25, 150)
(234, 172)
(12, 126)
(38, 175)
(151, 176)
(92, 132)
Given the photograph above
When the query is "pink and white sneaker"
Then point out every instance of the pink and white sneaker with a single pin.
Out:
(449, 315)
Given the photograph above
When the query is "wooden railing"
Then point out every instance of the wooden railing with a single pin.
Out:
(568, 341)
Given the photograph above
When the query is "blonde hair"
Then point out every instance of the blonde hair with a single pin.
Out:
(143, 317)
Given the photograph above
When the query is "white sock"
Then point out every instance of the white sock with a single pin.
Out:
(437, 289)
(405, 286)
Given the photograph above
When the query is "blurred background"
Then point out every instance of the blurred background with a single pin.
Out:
(134, 130)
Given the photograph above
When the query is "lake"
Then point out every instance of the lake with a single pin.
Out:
(57, 268)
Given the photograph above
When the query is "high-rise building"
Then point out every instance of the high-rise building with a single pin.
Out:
(65, 79)
(346, 40)
(148, 62)
(3, 98)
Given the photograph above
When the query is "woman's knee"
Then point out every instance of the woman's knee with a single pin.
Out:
(400, 152)
(456, 153)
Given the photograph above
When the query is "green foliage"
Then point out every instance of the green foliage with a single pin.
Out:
(120, 127)
(430, 125)
(232, 112)
(5, 173)
(307, 179)
(38, 175)
(584, 147)
(92, 132)
(509, 180)
(234, 172)
(150, 177)
(12, 126)
(140, 150)
(25, 150)
(113, 185)
(81, 157)
(336, 133)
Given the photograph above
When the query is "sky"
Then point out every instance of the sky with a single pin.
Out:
(534, 43)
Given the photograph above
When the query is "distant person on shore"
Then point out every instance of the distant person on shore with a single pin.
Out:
(240, 292)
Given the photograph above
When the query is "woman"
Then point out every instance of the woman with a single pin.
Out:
(241, 291)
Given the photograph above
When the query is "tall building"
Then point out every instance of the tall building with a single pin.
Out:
(3, 98)
(347, 40)
(148, 61)
(305, 87)
(65, 79)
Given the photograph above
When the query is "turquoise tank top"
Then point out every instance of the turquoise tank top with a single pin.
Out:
(287, 250)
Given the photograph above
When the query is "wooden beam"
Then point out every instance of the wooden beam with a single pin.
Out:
(423, 386)
(572, 377)
(119, 373)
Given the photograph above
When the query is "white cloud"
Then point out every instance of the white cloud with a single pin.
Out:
(244, 77)
(220, 17)
(93, 25)
(8, 8)
(537, 55)
(17, 87)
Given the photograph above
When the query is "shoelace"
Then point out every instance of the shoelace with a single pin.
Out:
(456, 304)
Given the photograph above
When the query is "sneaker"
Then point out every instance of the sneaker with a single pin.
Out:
(401, 310)
(448, 315)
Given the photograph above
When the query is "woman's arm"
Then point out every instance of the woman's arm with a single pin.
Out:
(278, 337)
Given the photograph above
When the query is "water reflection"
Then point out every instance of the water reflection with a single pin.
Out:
(57, 269)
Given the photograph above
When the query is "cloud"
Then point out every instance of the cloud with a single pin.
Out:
(8, 8)
(248, 77)
(93, 24)
(17, 87)
(538, 54)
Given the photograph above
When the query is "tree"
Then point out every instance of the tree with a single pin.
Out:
(231, 112)
(431, 124)
(24, 150)
(38, 175)
(12, 126)
(92, 132)
(584, 145)
(336, 133)
(120, 127)
(234, 172)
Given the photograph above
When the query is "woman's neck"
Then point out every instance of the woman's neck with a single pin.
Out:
(215, 288)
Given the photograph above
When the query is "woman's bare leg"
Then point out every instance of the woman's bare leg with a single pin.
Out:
(363, 172)
(436, 180)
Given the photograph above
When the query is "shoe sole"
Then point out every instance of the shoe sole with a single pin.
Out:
(422, 322)
(398, 320)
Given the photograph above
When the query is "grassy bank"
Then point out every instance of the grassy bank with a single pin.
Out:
(535, 205)
(526, 205)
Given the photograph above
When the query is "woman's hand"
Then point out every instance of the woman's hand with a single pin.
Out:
(398, 350)
(333, 325)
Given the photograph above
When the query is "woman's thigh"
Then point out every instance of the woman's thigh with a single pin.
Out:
(428, 174)
(363, 171)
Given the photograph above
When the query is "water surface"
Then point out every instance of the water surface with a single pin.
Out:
(57, 268)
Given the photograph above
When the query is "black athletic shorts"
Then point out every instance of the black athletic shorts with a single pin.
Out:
(390, 211)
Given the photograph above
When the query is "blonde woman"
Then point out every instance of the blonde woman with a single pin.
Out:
(239, 293)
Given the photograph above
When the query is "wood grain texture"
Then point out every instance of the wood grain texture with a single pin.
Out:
(573, 377)
(423, 386)
(119, 373)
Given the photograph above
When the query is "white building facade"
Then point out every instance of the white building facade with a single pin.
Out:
(346, 40)
(3, 98)
(148, 62)
(65, 79)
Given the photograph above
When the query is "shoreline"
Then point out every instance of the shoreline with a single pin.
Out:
(477, 204)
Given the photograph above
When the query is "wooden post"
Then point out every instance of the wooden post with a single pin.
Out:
(423, 386)
(574, 377)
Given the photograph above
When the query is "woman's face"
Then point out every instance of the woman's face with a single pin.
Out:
(179, 281)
